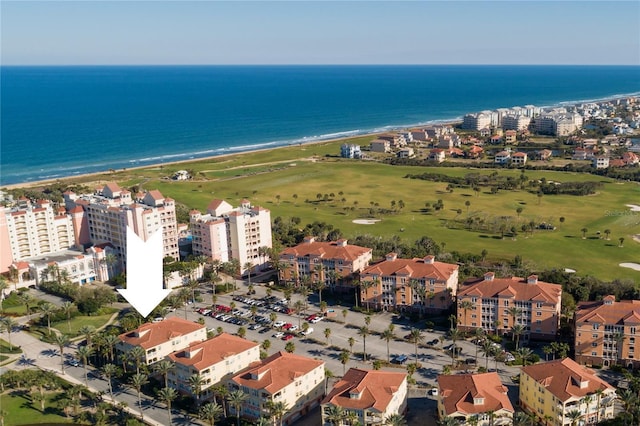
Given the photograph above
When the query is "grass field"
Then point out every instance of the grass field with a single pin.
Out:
(76, 324)
(20, 411)
(306, 171)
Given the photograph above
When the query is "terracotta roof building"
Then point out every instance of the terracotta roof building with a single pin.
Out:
(606, 332)
(482, 396)
(333, 263)
(372, 395)
(159, 339)
(551, 390)
(295, 380)
(215, 360)
(409, 284)
(500, 303)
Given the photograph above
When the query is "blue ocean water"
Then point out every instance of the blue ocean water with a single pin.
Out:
(61, 121)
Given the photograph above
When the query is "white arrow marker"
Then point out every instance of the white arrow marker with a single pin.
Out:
(144, 273)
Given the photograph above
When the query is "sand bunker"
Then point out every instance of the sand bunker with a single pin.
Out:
(633, 207)
(634, 266)
(636, 238)
(366, 221)
(569, 270)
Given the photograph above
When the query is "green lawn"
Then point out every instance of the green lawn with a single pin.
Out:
(5, 349)
(246, 175)
(21, 412)
(76, 324)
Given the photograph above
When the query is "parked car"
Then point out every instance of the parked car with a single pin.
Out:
(265, 330)
(399, 359)
(287, 337)
(316, 320)
(279, 324)
(278, 335)
(308, 331)
(287, 326)
(509, 357)
(433, 342)
(433, 392)
(254, 326)
(293, 328)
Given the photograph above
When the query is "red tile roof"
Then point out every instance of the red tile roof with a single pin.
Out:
(415, 268)
(609, 312)
(520, 288)
(458, 392)
(202, 355)
(276, 372)
(327, 250)
(156, 195)
(562, 378)
(150, 335)
(376, 389)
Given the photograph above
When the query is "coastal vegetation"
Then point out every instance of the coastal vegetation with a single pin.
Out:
(310, 183)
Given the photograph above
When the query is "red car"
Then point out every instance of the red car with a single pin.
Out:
(287, 337)
(310, 318)
(287, 326)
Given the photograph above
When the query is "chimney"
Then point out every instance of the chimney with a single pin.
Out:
(489, 276)
(309, 239)
(391, 257)
(532, 279)
(429, 259)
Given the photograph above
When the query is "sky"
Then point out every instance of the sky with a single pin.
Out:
(319, 32)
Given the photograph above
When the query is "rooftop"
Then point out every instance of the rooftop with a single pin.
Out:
(374, 387)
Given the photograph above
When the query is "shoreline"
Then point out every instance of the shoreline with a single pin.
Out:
(224, 152)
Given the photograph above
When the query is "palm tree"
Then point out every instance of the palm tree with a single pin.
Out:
(195, 384)
(210, 411)
(167, 395)
(351, 342)
(277, 410)
(137, 354)
(335, 414)
(163, 367)
(395, 420)
(364, 332)
(448, 421)
(237, 399)
(524, 354)
(517, 330)
(28, 301)
(84, 352)
(62, 341)
(109, 371)
(599, 393)
(515, 312)
(47, 310)
(479, 335)
(110, 341)
(8, 324)
(387, 336)
(454, 335)
(619, 337)
(487, 350)
(290, 347)
(327, 334)
(344, 359)
(88, 331)
(465, 306)
(416, 338)
(67, 308)
(364, 290)
(183, 297)
(574, 416)
(138, 381)
(220, 390)
(587, 400)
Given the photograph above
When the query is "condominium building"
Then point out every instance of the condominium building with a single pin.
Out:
(498, 304)
(606, 332)
(562, 392)
(558, 123)
(350, 151)
(333, 263)
(295, 380)
(476, 121)
(515, 122)
(370, 396)
(159, 339)
(105, 215)
(215, 360)
(421, 285)
(479, 397)
(226, 233)
(29, 229)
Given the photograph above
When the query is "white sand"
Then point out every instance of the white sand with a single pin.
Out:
(569, 270)
(634, 266)
(633, 207)
(636, 238)
(366, 221)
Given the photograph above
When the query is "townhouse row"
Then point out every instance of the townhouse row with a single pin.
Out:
(298, 382)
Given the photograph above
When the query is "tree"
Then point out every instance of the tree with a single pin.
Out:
(351, 342)
(109, 371)
(138, 380)
(62, 341)
(584, 232)
(364, 332)
(290, 347)
(387, 336)
(67, 307)
(28, 301)
(163, 367)
(277, 410)
(210, 411)
(167, 395)
(8, 324)
(299, 308)
(196, 381)
(416, 337)
(454, 335)
(47, 310)
(524, 354)
(335, 415)
(237, 399)
(395, 420)
(344, 357)
(83, 353)
(574, 416)
(137, 354)
(448, 421)
(466, 306)
(88, 331)
(345, 312)
(327, 334)
(517, 330)
(519, 210)
(487, 350)
(607, 233)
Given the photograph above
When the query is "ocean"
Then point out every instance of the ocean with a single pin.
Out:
(64, 121)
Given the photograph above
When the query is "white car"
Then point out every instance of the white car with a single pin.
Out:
(315, 320)
(279, 323)
(308, 332)
(433, 392)
(293, 328)
(509, 357)
(278, 335)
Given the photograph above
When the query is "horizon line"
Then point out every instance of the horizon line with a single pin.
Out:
(318, 65)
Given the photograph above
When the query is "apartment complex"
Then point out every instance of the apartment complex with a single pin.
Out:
(515, 122)
(103, 217)
(409, 284)
(226, 233)
(554, 391)
(370, 396)
(215, 360)
(476, 121)
(333, 263)
(469, 397)
(295, 380)
(606, 332)
(31, 229)
(159, 339)
(498, 304)
(558, 123)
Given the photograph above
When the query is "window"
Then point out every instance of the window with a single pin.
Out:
(594, 344)
(538, 314)
(596, 326)
(595, 335)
